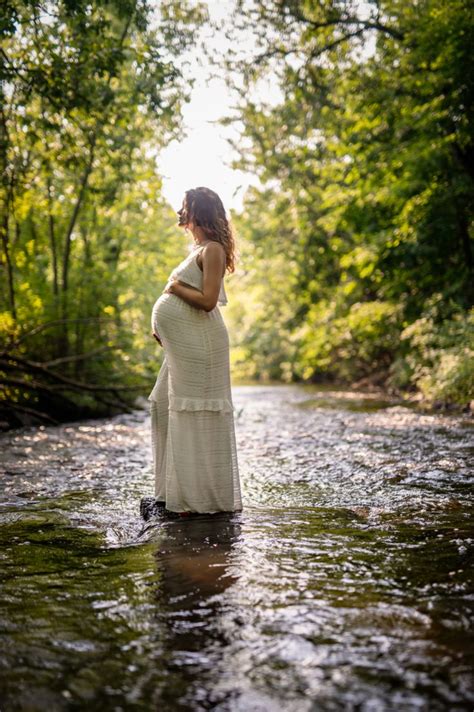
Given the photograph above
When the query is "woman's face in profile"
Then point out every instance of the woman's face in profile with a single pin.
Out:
(182, 215)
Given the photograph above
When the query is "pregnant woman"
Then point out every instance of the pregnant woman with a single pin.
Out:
(192, 420)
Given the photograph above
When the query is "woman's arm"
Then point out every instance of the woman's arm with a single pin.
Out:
(213, 263)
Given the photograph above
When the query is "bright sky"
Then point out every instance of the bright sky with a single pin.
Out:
(203, 157)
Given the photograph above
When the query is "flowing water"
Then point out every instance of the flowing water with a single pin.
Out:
(344, 584)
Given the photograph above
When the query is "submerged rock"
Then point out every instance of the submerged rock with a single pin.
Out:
(151, 507)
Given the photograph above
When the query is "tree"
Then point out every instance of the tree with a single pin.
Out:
(90, 92)
(371, 148)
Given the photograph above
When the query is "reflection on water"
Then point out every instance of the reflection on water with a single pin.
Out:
(194, 561)
(345, 583)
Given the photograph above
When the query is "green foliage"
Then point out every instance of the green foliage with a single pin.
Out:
(90, 92)
(357, 252)
(370, 159)
(340, 342)
(439, 353)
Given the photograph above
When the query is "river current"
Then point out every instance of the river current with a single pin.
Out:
(344, 584)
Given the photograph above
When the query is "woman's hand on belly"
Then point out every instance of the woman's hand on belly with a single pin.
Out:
(173, 283)
(193, 296)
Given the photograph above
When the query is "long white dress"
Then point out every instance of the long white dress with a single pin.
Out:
(192, 414)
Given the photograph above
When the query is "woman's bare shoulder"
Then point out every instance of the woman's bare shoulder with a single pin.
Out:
(212, 248)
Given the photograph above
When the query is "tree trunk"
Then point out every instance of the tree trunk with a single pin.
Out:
(52, 239)
(6, 249)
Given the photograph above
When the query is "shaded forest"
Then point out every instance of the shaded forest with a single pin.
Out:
(356, 254)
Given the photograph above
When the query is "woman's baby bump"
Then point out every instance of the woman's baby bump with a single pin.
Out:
(161, 313)
(166, 309)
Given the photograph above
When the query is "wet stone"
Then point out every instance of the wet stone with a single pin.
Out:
(151, 507)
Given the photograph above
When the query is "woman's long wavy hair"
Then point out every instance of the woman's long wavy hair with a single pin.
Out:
(204, 207)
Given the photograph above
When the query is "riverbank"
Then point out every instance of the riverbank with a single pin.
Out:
(370, 389)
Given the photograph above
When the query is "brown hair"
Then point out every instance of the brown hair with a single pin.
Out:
(204, 207)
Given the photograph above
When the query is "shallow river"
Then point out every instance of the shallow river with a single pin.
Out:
(344, 584)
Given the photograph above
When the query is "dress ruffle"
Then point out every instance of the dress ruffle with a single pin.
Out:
(194, 404)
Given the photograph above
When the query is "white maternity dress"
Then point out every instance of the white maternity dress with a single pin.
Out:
(192, 414)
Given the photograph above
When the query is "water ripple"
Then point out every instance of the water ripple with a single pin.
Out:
(345, 583)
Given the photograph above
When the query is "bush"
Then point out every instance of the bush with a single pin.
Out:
(438, 354)
(355, 343)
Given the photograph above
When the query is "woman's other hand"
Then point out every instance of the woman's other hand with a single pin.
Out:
(157, 337)
(169, 287)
